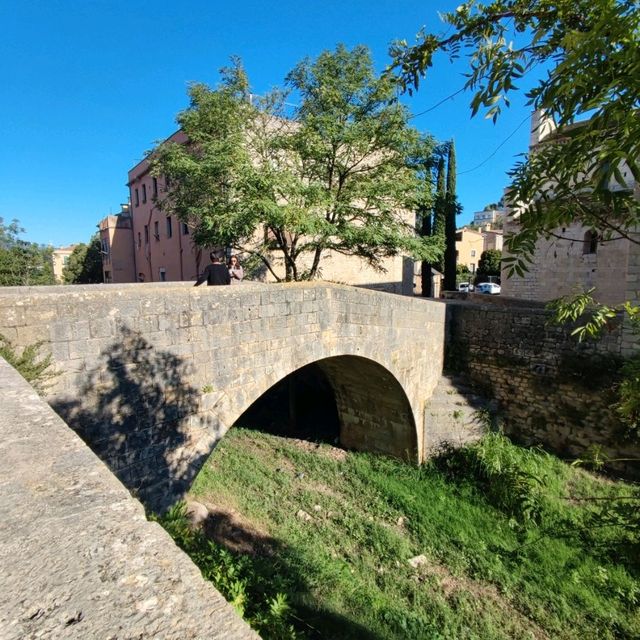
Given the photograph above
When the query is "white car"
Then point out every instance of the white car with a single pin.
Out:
(488, 287)
(465, 287)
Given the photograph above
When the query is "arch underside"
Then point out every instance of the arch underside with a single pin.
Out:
(372, 408)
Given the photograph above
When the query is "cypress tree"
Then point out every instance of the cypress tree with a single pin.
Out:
(439, 209)
(450, 209)
(426, 273)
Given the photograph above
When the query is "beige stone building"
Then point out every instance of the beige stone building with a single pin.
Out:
(577, 261)
(60, 257)
(469, 248)
(575, 258)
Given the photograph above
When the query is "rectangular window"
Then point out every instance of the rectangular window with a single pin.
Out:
(169, 227)
(105, 249)
(473, 253)
(137, 198)
(156, 230)
(144, 193)
(139, 240)
(185, 229)
(146, 234)
(155, 187)
(163, 274)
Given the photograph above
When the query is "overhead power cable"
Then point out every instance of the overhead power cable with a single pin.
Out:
(493, 153)
(437, 104)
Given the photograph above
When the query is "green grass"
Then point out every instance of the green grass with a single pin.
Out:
(516, 544)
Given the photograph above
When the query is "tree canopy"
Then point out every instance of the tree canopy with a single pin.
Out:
(587, 54)
(22, 262)
(85, 263)
(339, 174)
(489, 264)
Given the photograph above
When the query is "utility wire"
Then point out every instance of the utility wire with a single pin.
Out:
(437, 104)
(513, 133)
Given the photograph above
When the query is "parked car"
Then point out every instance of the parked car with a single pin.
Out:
(488, 287)
(465, 287)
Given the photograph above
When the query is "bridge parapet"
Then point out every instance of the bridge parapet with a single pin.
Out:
(79, 559)
(152, 375)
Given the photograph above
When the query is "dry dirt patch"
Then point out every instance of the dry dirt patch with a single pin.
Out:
(230, 528)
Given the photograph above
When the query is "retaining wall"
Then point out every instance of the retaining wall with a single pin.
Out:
(551, 389)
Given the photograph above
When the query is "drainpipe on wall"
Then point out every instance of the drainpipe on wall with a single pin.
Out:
(148, 249)
(179, 231)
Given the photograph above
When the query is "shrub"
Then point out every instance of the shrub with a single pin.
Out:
(30, 363)
(262, 602)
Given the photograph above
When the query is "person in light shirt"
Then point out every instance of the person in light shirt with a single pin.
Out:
(235, 270)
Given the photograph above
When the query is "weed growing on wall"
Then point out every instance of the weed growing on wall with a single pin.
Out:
(30, 363)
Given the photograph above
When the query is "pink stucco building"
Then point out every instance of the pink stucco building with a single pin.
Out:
(162, 248)
(162, 245)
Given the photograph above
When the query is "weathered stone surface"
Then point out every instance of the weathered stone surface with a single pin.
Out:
(550, 389)
(79, 559)
(153, 375)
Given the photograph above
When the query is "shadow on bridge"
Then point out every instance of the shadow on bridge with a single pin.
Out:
(132, 411)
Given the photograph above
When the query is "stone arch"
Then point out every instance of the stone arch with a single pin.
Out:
(374, 412)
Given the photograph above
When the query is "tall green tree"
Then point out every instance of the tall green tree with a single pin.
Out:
(423, 161)
(489, 264)
(451, 211)
(440, 209)
(85, 263)
(587, 56)
(23, 263)
(334, 177)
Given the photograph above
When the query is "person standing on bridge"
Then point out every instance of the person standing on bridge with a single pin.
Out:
(235, 270)
(216, 273)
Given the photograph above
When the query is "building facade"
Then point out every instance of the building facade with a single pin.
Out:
(60, 258)
(575, 258)
(116, 247)
(163, 248)
(490, 216)
(469, 248)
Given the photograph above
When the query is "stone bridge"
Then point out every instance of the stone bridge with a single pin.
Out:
(151, 376)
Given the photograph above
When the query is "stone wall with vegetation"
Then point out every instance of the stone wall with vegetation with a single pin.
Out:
(551, 390)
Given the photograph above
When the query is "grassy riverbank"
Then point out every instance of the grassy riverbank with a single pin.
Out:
(490, 542)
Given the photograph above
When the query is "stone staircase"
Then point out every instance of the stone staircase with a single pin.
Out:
(455, 415)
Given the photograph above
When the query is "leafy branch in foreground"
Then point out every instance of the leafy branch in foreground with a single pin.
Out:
(587, 56)
(30, 363)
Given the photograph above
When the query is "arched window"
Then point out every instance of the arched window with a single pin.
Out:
(590, 243)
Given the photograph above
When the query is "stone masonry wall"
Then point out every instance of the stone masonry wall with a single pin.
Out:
(551, 389)
(79, 559)
(153, 375)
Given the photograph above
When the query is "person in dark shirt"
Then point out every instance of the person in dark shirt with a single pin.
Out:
(215, 273)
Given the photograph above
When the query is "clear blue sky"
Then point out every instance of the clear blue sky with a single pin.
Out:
(89, 85)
